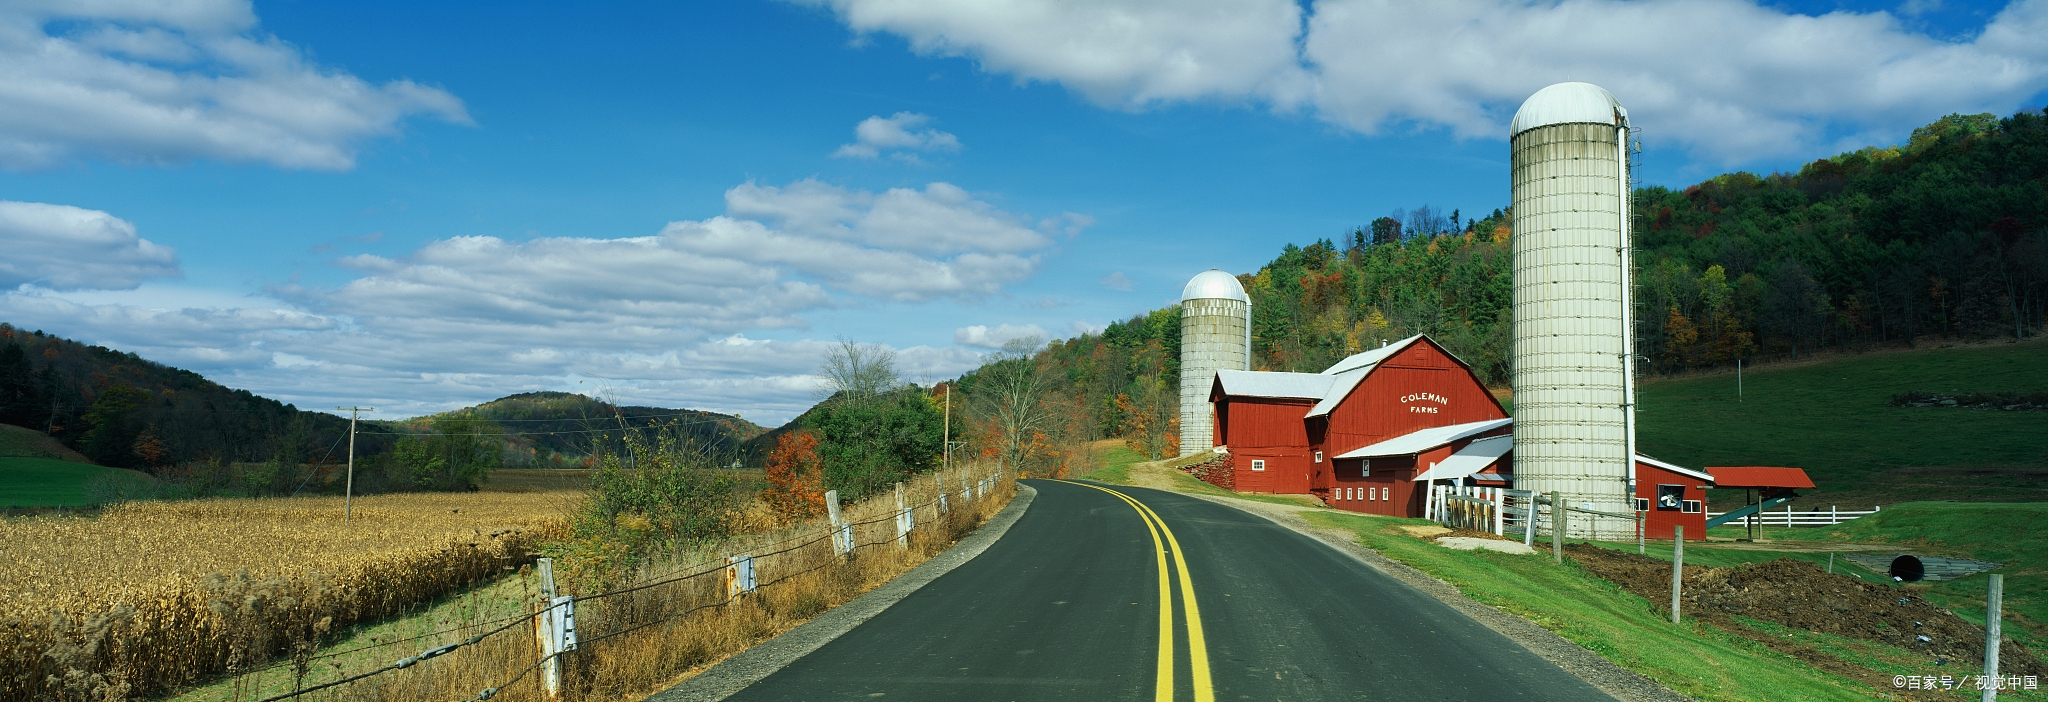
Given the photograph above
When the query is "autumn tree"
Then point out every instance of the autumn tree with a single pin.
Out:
(796, 486)
(1008, 391)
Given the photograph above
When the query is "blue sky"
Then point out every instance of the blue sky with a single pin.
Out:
(419, 206)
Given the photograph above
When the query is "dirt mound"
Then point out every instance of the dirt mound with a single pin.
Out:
(1799, 595)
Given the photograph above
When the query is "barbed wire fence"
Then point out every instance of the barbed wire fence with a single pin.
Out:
(553, 649)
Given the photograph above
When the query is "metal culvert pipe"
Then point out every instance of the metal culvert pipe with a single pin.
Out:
(1908, 568)
(1912, 569)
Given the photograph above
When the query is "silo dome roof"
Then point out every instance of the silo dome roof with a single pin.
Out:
(1568, 103)
(1214, 284)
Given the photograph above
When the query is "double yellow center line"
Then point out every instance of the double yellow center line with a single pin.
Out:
(1198, 646)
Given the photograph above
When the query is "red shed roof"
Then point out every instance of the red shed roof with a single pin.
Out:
(1759, 477)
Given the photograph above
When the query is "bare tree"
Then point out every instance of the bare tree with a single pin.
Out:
(859, 372)
(1009, 392)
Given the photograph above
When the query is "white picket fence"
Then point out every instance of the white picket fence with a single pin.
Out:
(1788, 518)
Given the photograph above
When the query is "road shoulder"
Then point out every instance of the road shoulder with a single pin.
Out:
(750, 666)
(1622, 683)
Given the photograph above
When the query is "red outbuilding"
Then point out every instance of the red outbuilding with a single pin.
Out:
(1669, 495)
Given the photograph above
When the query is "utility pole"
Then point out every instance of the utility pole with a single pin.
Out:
(947, 461)
(348, 501)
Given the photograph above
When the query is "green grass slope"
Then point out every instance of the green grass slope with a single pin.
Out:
(23, 442)
(1831, 418)
(48, 482)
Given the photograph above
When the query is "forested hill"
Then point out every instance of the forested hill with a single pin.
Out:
(557, 428)
(122, 410)
(1946, 235)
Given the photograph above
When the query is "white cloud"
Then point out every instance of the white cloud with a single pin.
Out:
(896, 135)
(988, 337)
(1730, 79)
(663, 319)
(72, 248)
(1119, 282)
(169, 82)
(1126, 53)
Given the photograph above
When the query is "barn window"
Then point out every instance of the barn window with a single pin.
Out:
(1386, 493)
(1642, 504)
(1670, 497)
(1366, 470)
(1258, 464)
(1692, 506)
(1319, 457)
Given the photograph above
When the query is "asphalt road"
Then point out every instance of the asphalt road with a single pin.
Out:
(1068, 606)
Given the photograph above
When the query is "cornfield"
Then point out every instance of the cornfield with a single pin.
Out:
(665, 622)
(152, 596)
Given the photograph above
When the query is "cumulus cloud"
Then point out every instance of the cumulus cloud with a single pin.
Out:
(989, 337)
(169, 82)
(1127, 53)
(72, 248)
(897, 135)
(1731, 79)
(662, 318)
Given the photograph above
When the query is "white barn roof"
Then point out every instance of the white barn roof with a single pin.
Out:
(1416, 442)
(1688, 472)
(1307, 386)
(1475, 457)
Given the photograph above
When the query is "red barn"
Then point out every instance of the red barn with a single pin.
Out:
(1326, 433)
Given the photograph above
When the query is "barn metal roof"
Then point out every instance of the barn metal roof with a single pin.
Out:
(1307, 386)
(1759, 477)
(1368, 359)
(1419, 441)
(1681, 470)
(1568, 103)
(1475, 457)
(1340, 387)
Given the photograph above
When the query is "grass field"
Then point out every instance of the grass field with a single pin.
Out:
(1831, 418)
(48, 482)
(148, 596)
(37, 471)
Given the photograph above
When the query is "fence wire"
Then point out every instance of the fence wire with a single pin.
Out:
(968, 491)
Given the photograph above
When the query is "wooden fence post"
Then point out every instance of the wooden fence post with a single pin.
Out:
(1642, 529)
(1557, 524)
(544, 630)
(1677, 566)
(902, 520)
(842, 533)
(1993, 603)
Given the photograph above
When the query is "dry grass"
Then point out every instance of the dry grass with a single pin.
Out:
(680, 621)
(150, 596)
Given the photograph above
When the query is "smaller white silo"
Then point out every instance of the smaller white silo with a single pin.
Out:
(1215, 334)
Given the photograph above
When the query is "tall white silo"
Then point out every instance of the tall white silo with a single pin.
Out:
(1574, 389)
(1215, 334)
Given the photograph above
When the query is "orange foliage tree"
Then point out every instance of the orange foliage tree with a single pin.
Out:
(796, 486)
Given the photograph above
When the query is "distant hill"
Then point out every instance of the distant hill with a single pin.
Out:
(561, 428)
(121, 410)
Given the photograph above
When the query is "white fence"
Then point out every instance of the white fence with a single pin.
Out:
(1788, 518)
(1498, 511)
